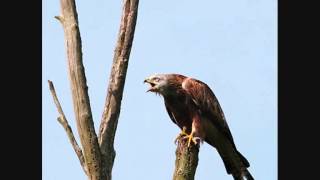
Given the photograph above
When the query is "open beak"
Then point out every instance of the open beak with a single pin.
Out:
(152, 85)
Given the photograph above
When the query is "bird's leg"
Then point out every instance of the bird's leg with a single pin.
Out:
(181, 134)
(197, 133)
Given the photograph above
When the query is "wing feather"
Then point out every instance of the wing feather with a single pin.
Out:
(208, 104)
(170, 114)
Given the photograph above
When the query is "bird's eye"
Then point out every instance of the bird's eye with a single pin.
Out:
(156, 79)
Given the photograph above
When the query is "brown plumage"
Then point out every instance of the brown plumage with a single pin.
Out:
(193, 107)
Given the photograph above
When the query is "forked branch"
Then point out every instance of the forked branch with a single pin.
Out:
(98, 156)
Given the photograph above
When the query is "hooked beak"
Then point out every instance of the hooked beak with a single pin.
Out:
(151, 89)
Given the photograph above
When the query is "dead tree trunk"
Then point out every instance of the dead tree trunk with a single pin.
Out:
(186, 161)
(112, 106)
(81, 103)
(96, 156)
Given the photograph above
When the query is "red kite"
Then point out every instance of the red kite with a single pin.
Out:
(192, 106)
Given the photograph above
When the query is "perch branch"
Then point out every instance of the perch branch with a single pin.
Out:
(63, 121)
(186, 161)
(79, 89)
(117, 78)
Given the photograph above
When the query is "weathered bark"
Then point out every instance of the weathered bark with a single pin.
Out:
(81, 103)
(117, 78)
(186, 161)
(63, 121)
(97, 157)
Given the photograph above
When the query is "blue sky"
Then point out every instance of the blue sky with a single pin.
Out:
(230, 45)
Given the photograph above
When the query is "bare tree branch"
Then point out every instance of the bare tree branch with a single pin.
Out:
(186, 161)
(63, 121)
(112, 106)
(81, 103)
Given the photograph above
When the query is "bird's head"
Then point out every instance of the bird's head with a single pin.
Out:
(158, 83)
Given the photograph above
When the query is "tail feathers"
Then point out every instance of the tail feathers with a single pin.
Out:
(237, 166)
(246, 163)
(248, 175)
(243, 159)
(245, 175)
(230, 163)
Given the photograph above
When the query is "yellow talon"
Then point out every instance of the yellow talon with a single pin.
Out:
(184, 135)
(181, 134)
(190, 138)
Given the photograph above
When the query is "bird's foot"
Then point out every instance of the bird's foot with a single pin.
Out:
(193, 139)
(182, 134)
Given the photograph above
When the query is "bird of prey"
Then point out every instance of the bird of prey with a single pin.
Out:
(193, 107)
